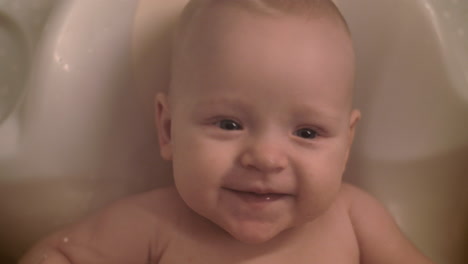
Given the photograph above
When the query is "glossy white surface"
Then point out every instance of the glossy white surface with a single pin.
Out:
(411, 149)
(62, 150)
(80, 132)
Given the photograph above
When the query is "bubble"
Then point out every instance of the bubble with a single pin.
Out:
(58, 58)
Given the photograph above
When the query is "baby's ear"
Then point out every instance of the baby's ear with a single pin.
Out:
(354, 118)
(163, 125)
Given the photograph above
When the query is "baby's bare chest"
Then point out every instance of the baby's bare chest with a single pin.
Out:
(333, 243)
(336, 254)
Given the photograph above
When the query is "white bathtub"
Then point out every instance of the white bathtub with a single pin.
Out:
(76, 124)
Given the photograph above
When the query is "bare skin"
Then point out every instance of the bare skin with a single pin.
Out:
(158, 227)
(259, 139)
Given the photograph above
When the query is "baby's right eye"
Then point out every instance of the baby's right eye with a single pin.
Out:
(228, 124)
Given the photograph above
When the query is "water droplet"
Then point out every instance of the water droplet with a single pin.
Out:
(66, 67)
(65, 240)
(57, 58)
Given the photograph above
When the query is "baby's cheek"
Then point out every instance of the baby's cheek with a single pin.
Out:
(318, 186)
(212, 150)
(203, 159)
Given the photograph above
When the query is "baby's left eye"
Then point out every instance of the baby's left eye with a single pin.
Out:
(228, 124)
(306, 133)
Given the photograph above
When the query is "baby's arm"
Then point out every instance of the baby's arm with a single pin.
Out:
(379, 238)
(121, 233)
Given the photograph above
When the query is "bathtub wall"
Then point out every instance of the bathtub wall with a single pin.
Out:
(74, 137)
(411, 149)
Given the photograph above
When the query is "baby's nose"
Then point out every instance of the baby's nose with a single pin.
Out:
(266, 157)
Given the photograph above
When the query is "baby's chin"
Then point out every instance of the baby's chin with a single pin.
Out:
(254, 232)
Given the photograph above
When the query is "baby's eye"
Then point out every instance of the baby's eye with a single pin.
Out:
(227, 124)
(306, 133)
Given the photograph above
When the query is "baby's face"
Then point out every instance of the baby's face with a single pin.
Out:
(260, 121)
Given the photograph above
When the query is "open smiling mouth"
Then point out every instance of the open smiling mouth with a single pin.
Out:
(257, 197)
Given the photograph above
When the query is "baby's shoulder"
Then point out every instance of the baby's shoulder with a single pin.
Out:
(142, 215)
(154, 205)
(359, 205)
(351, 196)
(377, 233)
(125, 231)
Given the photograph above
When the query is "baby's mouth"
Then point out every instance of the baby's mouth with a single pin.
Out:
(257, 197)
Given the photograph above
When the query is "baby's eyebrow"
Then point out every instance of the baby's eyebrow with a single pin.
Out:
(303, 111)
(224, 103)
(315, 111)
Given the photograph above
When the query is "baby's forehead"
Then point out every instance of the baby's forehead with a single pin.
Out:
(258, 48)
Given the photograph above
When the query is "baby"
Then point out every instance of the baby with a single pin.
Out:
(258, 124)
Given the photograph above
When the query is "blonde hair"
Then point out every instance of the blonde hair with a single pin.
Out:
(307, 9)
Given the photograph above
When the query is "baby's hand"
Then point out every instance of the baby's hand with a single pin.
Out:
(45, 253)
